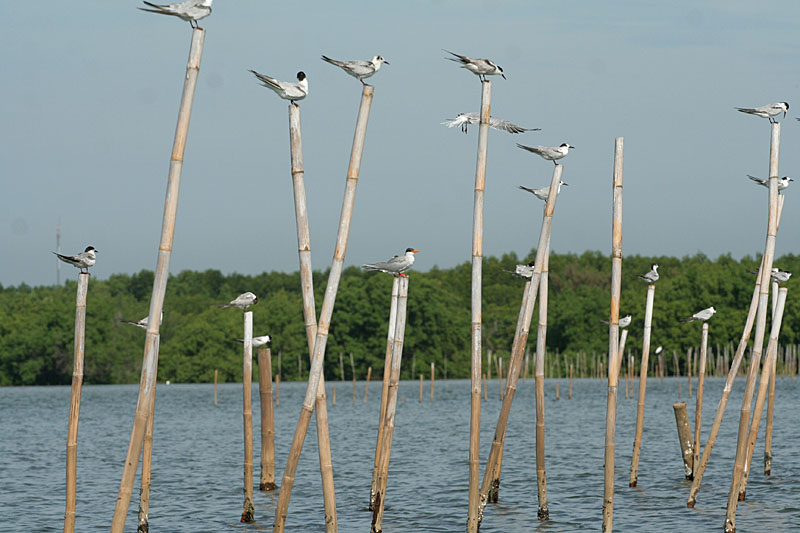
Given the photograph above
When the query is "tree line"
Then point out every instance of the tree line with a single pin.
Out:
(37, 323)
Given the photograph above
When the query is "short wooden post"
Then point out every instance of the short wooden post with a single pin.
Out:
(334, 395)
(500, 376)
(267, 420)
(698, 410)
(150, 357)
(277, 390)
(341, 366)
(75, 402)
(420, 388)
(216, 374)
(248, 514)
(353, 374)
(433, 378)
(684, 436)
(637, 440)
(366, 386)
(557, 396)
(569, 395)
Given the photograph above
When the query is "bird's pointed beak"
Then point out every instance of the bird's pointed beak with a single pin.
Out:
(386, 62)
(566, 184)
(504, 76)
(414, 251)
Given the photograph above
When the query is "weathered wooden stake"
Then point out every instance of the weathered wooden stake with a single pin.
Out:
(147, 464)
(637, 440)
(332, 287)
(684, 436)
(75, 402)
(698, 409)
(366, 387)
(353, 374)
(433, 372)
(477, 264)
(569, 395)
(420, 388)
(485, 389)
(341, 366)
(334, 395)
(267, 420)
(500, 376)
(150, 357)
(277, 390)
(216, 373)
(247, 413)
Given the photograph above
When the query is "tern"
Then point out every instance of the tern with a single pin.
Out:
(190, 10)
(624, 322)
(83, 260)
(782, 182)
(479, 67)
(652, 276)
(551, 153)
(463, 120)
(243, 301)
(358, 69)
(544, 192)
(523, 271)
(143, 322)
(767, 111)
(777, 275)
(257, 341)
(396, 265)
(658, 350)
(703, 315)
(285, 89)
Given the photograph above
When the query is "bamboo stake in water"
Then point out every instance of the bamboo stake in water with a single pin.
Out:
(684, 437)
(75, 402)
(771, 396)
(758, 339)
(366, 387)
(698, 409)
(341, 366)
(332, 287)
(500, 376)
(569, 395)
(216, 372)
(147, 464)
(485, 389)
(420, 388)
(387, 373)
(543, 512)
(433, 377)
(477, 265)
(247, 415)
(391, 406)
(732, 370)
(766, 376)
(637, 440)
(277, 390)
(613, 336)
(150, 358)
(353, 374)
(334, 395)
(267, 420)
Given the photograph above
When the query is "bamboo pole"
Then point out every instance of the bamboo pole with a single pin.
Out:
(420, 388)
(477, 264)
(433, 372)
(147, 464)
(391, 407)
(569, 395)
(150, 357)
(353, 375)
(341, 366)
(557, 396)
(485, 389)
(248, 514)
(771, 394)
(543, 512)
(278, 389)
(216, 373)
(366, 387)
(689, 369)
(267, 420)
(698, 409)
(387, 373)
(766, 377)
(334, 395)
(520, 340)
(500, 376)
(761, 320)
(315, 373)
(637, 440)
(684, 436)
(75, 402)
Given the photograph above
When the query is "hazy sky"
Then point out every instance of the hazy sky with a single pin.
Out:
(90, 94)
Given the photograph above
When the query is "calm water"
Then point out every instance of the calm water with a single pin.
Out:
(197, 460)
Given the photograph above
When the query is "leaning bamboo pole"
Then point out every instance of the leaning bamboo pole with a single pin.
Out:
(698, 409)
(310, 313)
(733, 370)
(771, 395)
(387, 372)
(75, 402)
(761, 320)
(473, 520)
(518, 347)
(613, 336)
(147, 464)
(150, 358)
(391, 406)
(267, 420)
(248, 513)
(766, 377)
(332, 287)
(684, 437)
(637, 440)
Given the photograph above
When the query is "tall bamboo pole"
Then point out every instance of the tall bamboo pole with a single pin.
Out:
(761, 320)
(477, 264)
(387, 372)
(147, 464)
(518, 348)
(766, 377)
(150, 358)
(613, 332)
(391, 406)
(698, 409)
(543, 512)
(332, 287)
(248, 513)
(733, 370)
(310, 313)
(75, 402)
(267, 420)
(637, 440)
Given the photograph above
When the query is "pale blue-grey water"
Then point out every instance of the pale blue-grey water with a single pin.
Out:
(197, 460)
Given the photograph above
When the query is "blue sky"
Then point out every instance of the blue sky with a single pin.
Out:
(91, 90)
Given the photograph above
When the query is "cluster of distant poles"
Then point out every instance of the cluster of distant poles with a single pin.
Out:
(536, 285)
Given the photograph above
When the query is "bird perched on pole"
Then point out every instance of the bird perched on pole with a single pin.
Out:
(257, 341)
(544, 192)
(767, 111)
(479, 67)
(703, 315)
(624, 322)
(777, 275)
(358, 69)
(783, 182)
(83, 260)
(287, 90)
(652, 276)
(143, 322)
(523, 271)
(243, 301)
(190, 10)
(551, 153)
(396, 265)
